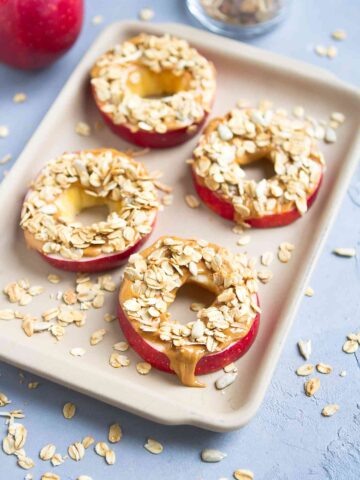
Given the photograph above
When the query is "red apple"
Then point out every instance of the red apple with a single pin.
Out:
(225, 209)
(34, 33)
(207, 364)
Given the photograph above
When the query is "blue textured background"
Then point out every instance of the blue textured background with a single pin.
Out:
(288, 439)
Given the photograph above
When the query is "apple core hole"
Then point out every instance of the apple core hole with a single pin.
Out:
(259, 169)
(186, 295)
(93, 214)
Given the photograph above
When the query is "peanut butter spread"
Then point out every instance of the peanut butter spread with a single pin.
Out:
(150, 284)
(79, 180)
(247, 134)
(154, 84)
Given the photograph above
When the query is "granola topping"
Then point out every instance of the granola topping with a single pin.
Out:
(75, 181)
(151, 281)
(244, 136)
(154, 83)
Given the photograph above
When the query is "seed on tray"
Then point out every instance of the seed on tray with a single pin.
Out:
(305, 348)
(245, 240)
(330, 410)
(338, 117)
(83, 129)
(146, 14)
(97, 20)
(332, 52)
(69, 297)
(101, 448)
(312, 386)
(5, 159)
(320, 50)
(153, 446)
(4, 131)
(57, 460)
(69, 410)
(4, 400)
(110, 457)
(26, 463)
(345, 252)
(115, 433)
(84, 477)
(76, 451)
(324, 368)
(211, 455)
(117, 361)
(121, 346)
(19, 97)
(339, 34)
(143, 368)
(243, 474)
(97, 336)
(230, 368)
(192, 201)
(343, 373)
(309, 292)
(50, 476)
(7, 314)
(304, 370)
(77, 352)
(47, 452)
(330, 135)
(87, 441)
(284, 251)
(267, 258)
(33, 385)
(265, 276)
(225, 380)
(350, 346)
(109, 317)
(54, 278)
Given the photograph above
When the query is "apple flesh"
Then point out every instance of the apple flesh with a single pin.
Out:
(35, 33)
(207, 364)
(226, 209)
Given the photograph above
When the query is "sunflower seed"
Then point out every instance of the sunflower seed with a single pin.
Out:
(345, 252)
(305, 348)
(211, 455)
(153, 446)
(305, 370)
(225, 380)
(242, 474)
(84, 477)
(324, 368)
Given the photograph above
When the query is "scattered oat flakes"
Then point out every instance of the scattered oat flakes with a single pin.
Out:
(69, 410)
(305, 348)
(153, 446)
(77, 352)
(312, 386)
(339, 34)
(76, 451)
(121, 346)
(50, 476)
(265, 276)
(101, 448)
(97, 336)
(19, 97)
(57, 460)
(87, 441)
(110, 457)
(83, 129)
(115, 433)
(54, 278)
(284, 251)
(4, 131)
(267, 258)
(304, 370)
(5, 159)
(143, 368)
(116, 360)
(163, 187)
(243, 474)
(320, 50)
(332, 52)
(192, 201)
(97, 20)
(7, 314)
(26, 463)
(345, 252)
(210, 455)
(245, 240)
(47, 452)
(69, 297)
(309, 292)
(225, 380)
(109, 317)
(146, 14)
(330, 410)
(324, 368)
(350, 346)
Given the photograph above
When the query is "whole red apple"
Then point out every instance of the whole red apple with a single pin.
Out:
(34, 33)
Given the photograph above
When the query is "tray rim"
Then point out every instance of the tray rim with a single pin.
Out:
(241, 416)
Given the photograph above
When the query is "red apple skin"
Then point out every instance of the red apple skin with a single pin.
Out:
(207, 364)
(226, 210)
(97, 264)
(35, 33)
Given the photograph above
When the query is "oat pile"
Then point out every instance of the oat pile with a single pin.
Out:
(156, 277)
(118, 72)
(247, 134)
(108, 177)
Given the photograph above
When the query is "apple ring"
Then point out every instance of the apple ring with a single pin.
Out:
(79, 180)
(154, 91)
(247, 135)
(221, 333)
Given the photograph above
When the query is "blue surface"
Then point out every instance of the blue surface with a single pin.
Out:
(288, 439)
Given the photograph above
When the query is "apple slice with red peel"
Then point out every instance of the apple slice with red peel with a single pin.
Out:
(145, 139)
(207, 364)
(100, 263)
(225, 209)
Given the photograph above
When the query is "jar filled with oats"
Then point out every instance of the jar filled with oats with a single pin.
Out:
(239, 18)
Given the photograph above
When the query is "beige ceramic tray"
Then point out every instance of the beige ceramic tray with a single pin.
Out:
(243, 72)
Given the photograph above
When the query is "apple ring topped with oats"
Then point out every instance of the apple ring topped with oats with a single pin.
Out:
(244, 136)
(76, 181)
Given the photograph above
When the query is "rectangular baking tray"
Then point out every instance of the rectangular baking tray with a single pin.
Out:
(243, 72)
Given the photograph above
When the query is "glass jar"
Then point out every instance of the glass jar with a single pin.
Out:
(239, 18)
